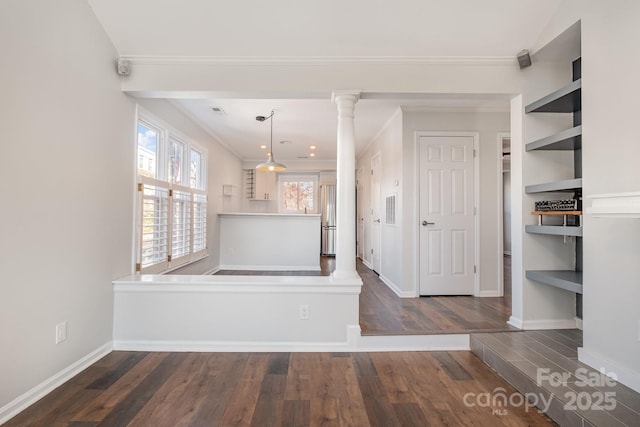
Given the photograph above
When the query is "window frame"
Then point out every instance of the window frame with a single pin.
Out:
(282, 177)
(197, 197)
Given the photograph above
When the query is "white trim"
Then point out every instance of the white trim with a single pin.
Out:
(501, 136)
(549, 324)
(367, 264)
(158, 283)
(506, 253)
(28, 398)
(476, 201)
(489, 293)
(515, 322)
(624, 375)
(615, 205)
(270, 267)
(579, 323)
(395, 288)
(438, 342)
(354, 342)
(379, 237)
(508, 61)
(213, 271)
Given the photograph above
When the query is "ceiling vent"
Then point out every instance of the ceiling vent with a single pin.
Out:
(218, 110)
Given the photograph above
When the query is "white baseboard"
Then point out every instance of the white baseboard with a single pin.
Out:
(396, 289)
(442, 342)
(489, 294)
(354, 342)
(515, 322)
(213, 271)
(579, 323)
(507, 253)
(621, 374)
(367, 264)
(271, 267)
(549, 324)
(27, 399)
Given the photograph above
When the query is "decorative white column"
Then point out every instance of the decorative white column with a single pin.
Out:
(346, 187)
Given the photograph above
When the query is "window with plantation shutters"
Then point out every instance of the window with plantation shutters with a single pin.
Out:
(154, 231)
(171, 223)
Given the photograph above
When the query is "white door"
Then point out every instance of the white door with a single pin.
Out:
(447, 224)
(375, 213)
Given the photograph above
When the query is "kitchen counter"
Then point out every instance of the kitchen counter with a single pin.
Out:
(269, 241)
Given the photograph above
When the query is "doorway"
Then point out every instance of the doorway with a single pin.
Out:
(375, 213)
(447, 229)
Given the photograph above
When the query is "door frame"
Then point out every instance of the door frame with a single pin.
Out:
(476, 193)
(378, 156)
(501, 137)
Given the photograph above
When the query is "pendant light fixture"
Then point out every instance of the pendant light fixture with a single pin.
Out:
(270, 165)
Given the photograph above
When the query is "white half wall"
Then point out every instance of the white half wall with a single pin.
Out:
(66, 171)
(216, 312)
(254, 241)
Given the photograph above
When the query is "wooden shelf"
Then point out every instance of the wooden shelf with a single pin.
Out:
(564, 279)
(555, 230)
(570, 139)
(564, 100)
(556, 213)
(570, 185)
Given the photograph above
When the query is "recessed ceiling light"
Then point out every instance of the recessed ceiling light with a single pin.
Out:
(263, 146)
(312, 154)
(313, 147)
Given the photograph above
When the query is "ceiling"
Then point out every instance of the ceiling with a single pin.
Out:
(319, 29)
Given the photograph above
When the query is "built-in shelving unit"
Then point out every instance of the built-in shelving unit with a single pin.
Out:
(563, 279)
(555, 230)
(564, 100)
(570, 139)
(569, 185)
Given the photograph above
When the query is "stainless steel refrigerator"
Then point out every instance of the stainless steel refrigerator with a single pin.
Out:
(328, 208)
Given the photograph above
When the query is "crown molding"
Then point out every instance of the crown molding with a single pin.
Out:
(318, 60)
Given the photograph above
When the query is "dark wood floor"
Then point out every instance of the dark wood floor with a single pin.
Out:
(382, 312)
(278, 389)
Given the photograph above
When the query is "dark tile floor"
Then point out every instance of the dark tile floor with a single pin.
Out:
(544, 366)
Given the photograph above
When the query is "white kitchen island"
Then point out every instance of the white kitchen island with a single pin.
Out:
(269, 241)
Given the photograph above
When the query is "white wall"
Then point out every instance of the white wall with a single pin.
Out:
(66, 178)
(224, 168)
(611, 150)
(396, 144)
(387, 143)
(610, 153)
(488, 125)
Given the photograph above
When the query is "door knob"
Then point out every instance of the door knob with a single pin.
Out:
(376, 220)
(425, 223)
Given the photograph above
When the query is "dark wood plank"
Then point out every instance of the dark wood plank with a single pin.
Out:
(240, 389)
(119, 370)
(455, 371)
(137, 398)
(296, 413)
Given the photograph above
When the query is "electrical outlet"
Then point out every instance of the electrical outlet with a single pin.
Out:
(61, 332)
(304, 312)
